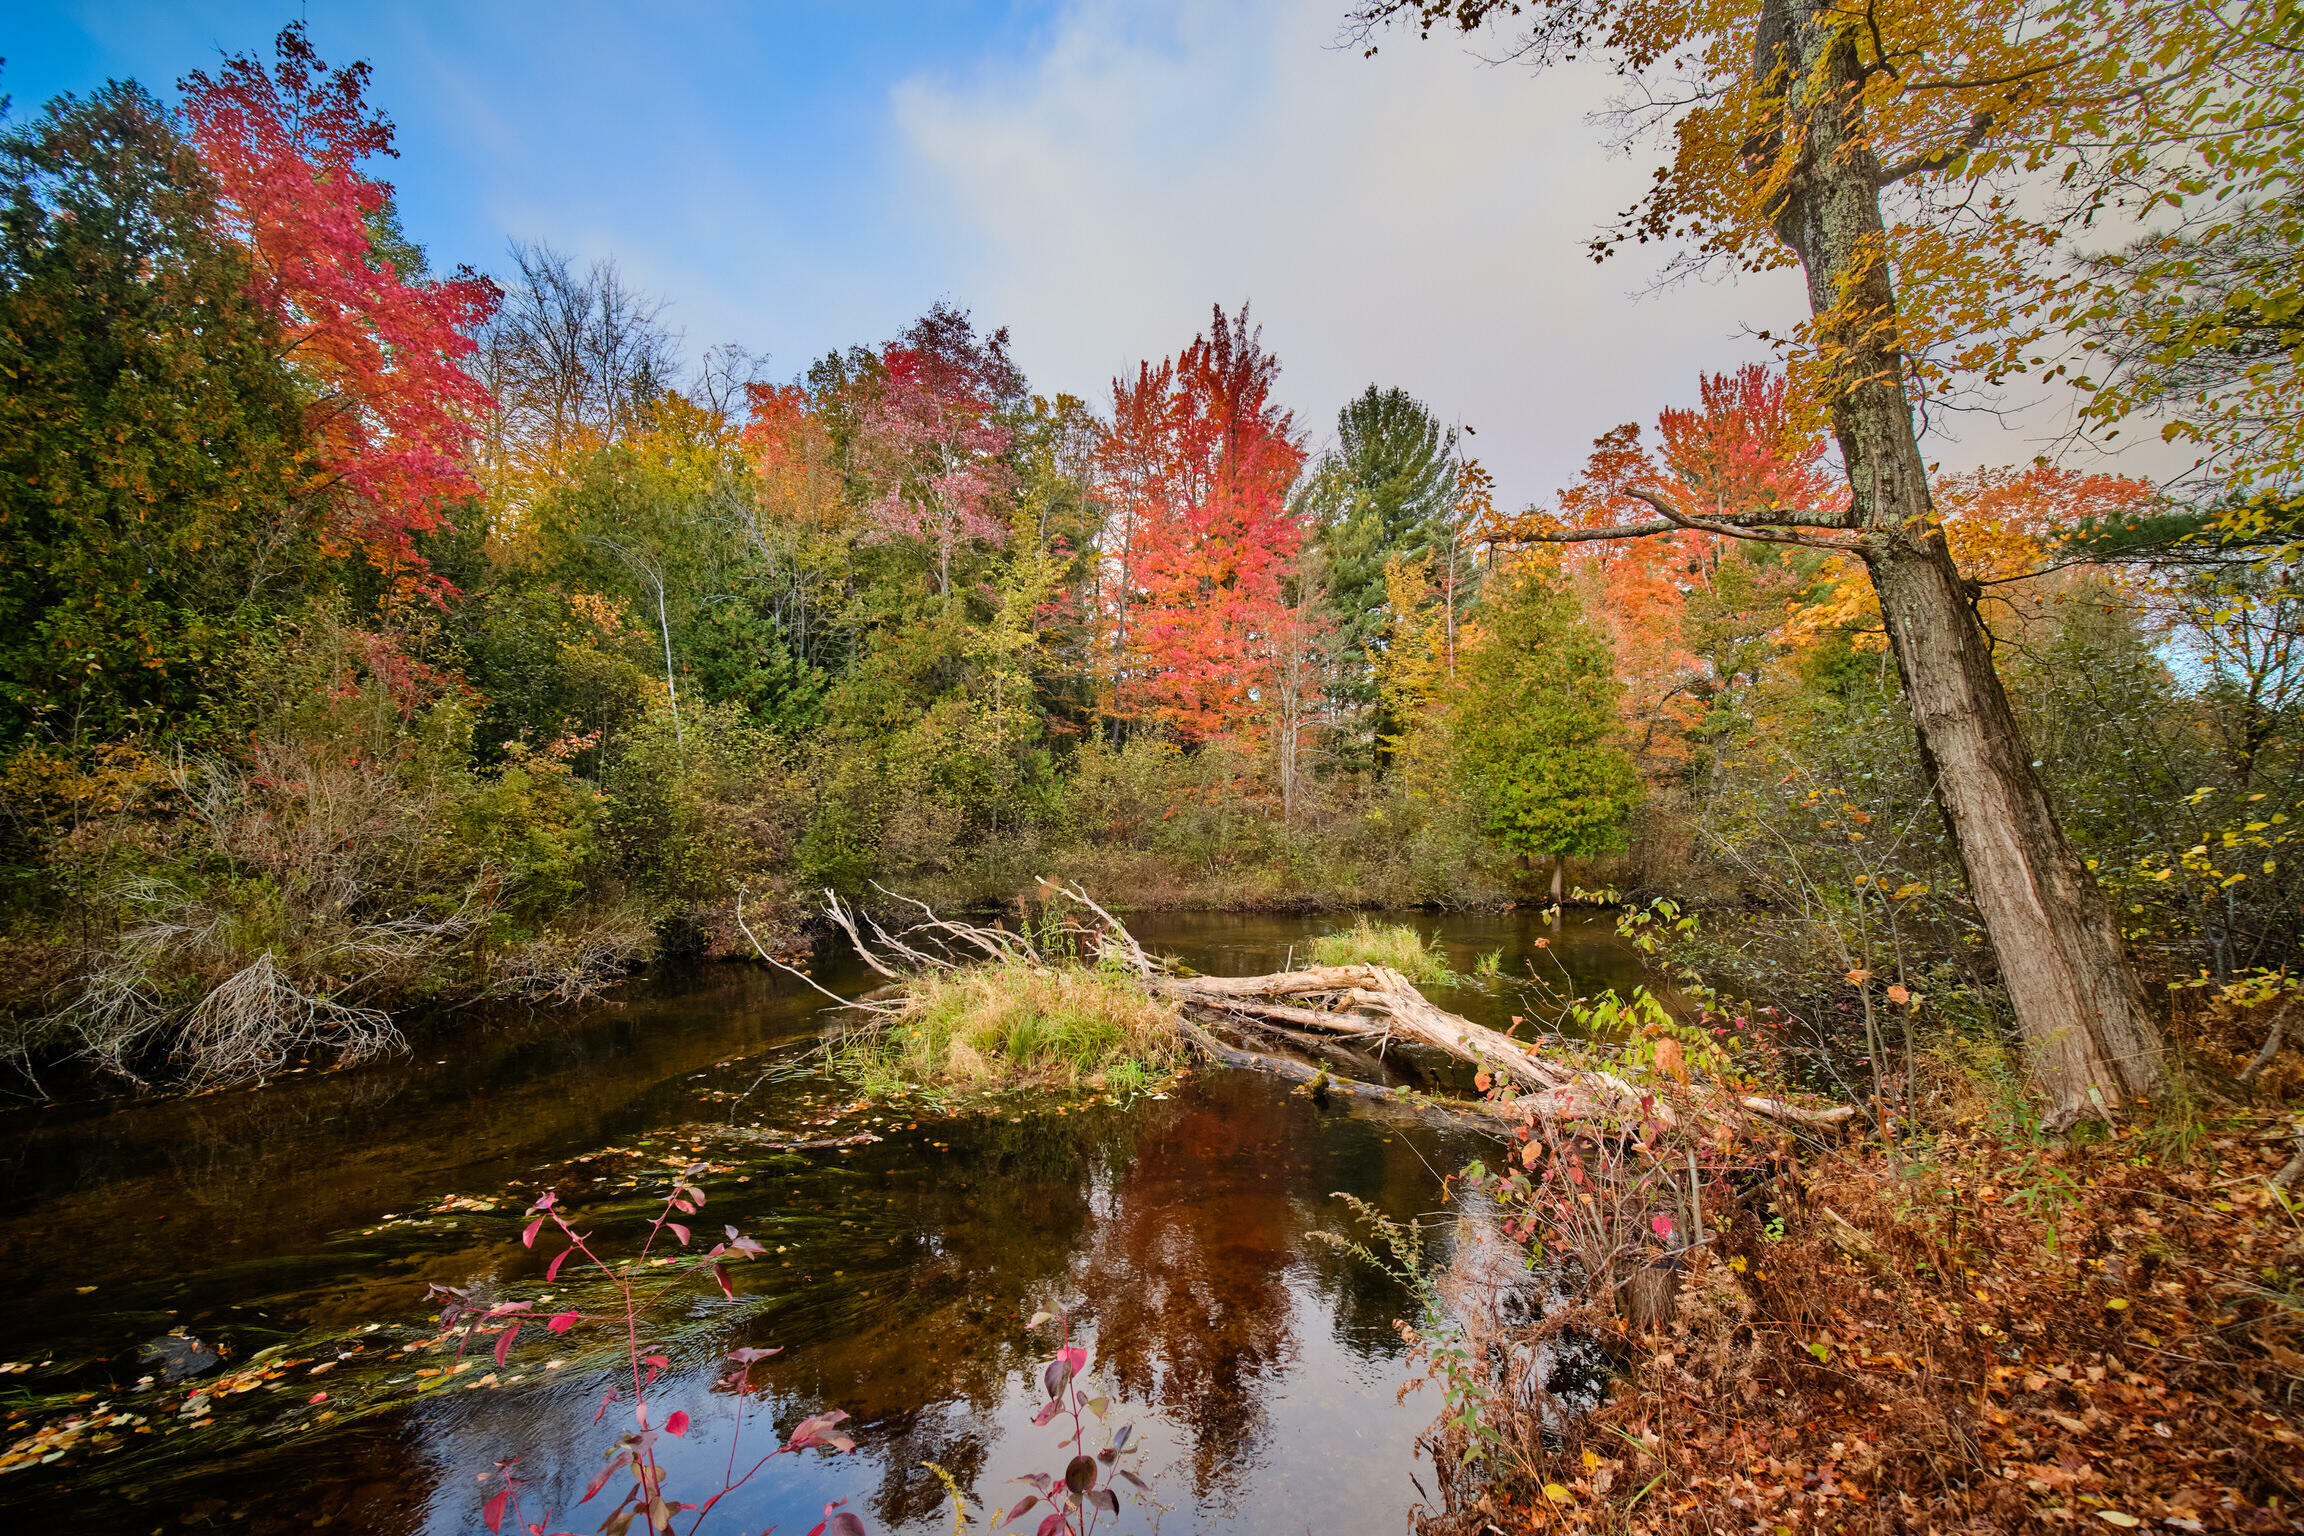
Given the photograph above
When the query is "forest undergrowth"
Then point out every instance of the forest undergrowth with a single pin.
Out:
(1958, 1324)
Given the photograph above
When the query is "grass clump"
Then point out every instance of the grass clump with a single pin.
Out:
(1392, 944)
(1016, 1024)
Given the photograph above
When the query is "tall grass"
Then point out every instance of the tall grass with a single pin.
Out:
(1392, 944)
(1015, 1024)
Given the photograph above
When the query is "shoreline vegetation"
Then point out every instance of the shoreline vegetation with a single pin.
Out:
(1071, 995)
(379, 640)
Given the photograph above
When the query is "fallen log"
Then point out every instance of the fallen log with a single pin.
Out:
(1312, 1009)
(1463, 1117)
(1370, 999)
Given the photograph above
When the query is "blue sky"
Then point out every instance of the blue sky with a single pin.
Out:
(1091, 173)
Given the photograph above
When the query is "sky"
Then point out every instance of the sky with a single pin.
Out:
(1091, 174)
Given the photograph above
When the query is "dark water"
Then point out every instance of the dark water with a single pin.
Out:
(1259, 1366)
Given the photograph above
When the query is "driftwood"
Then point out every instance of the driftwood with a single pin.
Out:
(1314, 1010)
(1375, 1000)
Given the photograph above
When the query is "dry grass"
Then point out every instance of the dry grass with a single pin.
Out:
(1390, 944)
(1013, 1023)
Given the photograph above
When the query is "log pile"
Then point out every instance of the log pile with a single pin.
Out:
(1346, 1016)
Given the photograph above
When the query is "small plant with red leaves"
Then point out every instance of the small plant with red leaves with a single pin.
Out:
(645, 1498)
(1087, 1490)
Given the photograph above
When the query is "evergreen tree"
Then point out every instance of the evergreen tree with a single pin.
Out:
(1382, 493)
(1535, 721)
(149, 438)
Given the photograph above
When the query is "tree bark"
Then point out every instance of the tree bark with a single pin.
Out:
(2092, 1039)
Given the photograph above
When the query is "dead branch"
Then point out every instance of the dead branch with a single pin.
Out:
(1312, 1010)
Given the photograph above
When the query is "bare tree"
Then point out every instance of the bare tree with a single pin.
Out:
(570, 356)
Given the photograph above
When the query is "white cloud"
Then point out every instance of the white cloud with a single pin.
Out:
(1416, 219)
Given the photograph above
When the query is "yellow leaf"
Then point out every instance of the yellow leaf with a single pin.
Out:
(1591, 1459)
(1556, 1493)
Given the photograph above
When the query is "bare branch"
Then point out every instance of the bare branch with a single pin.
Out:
(1762, 527)
(1978, 127)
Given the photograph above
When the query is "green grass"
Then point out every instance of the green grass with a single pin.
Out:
(1016, 1025)
(1394, 944)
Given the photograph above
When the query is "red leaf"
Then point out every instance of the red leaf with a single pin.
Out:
(720, 1273)
(1022, 1505)
(504, 1342)
(679, 1232)
(1051, 1525)
(493, 1510)
(562, 1322)
(528, 1238)
(552, 1270)
(677, 1425)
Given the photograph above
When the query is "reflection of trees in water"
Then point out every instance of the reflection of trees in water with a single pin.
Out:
(1396, 1177)
(1187, 1275)
(1195, 1275)
(945, 1260)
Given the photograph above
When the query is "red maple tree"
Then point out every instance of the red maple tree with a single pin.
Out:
(1197, 464)
(392, 409)
(1744, 448)
(934, 433)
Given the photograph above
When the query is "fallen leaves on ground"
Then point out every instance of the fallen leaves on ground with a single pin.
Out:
(1983, 1337)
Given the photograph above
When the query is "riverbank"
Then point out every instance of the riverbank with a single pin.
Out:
(1974, 1328)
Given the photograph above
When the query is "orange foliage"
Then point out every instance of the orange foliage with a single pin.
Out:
(2001, 525)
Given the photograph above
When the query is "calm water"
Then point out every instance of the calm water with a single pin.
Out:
(1259, 1366)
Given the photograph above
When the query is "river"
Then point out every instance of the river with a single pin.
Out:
(1260, 1367)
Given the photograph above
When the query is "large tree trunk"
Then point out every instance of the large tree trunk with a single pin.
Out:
(2093, 1041)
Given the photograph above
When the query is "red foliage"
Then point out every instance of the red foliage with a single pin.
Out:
(1744, 449)
(392, 408)
(937, 436)
(1197, 465)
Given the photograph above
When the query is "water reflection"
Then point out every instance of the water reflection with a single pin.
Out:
(1260, 1366)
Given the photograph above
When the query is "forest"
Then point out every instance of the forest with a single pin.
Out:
(381, 640)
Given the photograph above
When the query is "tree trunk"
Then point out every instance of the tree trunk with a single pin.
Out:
(2083, 1015)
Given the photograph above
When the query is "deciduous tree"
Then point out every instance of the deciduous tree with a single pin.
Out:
(1873, 146)
(392, 409)
(1209, 457)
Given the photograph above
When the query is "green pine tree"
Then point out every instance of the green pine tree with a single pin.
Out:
(1382, 493)
(1535, 722)
(149, 437)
